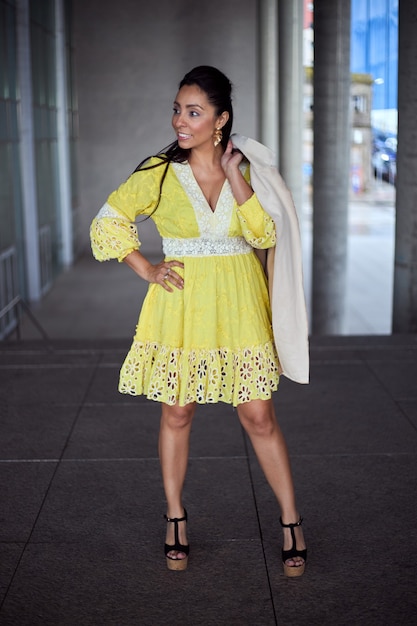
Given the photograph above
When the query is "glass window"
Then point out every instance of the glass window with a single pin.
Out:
(42, 16)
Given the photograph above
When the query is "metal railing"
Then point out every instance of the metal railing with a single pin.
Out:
(11, 303)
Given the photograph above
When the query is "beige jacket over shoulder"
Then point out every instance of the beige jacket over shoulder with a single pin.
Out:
(285, 274)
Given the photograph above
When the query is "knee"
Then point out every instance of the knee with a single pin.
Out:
(178, 417)
(259, 423)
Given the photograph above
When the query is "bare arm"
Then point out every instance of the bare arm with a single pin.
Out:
(161, 273)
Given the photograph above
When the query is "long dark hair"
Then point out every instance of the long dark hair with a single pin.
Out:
(218, 89)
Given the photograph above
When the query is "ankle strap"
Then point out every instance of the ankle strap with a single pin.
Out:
(300, 521)
(175, 520)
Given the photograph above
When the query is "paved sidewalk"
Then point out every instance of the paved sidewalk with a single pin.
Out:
(81, 529)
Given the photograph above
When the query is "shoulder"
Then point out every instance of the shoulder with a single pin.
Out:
(153, 165)
(148, 173)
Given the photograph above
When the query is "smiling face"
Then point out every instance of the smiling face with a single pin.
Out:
(195, 119)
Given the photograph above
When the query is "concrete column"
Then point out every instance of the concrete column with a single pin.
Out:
(405, 265)
(331, 164)
(64, 169)
(27, 155)
(268, 73)
(291, 79)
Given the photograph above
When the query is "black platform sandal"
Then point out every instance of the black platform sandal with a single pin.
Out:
(293, 570)
(173, 563)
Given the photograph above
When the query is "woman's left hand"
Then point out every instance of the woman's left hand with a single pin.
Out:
(230, 161)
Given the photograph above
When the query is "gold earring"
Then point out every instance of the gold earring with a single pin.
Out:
(217, 136)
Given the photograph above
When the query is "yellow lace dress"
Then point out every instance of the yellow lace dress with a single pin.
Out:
(211, 341)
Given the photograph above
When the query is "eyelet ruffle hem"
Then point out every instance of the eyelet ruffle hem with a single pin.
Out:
(176, 375)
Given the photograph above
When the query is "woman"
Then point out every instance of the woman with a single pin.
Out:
(204, 333)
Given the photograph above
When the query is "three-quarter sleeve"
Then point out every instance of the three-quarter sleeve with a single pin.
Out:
(113, 233)
(112, 236)
(258, 227)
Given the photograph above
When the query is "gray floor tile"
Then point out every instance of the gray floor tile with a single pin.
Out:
(45, 384)
(331, 354)
(358, 522)
(10, 554)
(124, 500)
(35, 431)
(96, 500)
(345, 410)
(127, 431)
(34, 353)
(396, 353)
(399, 377)
(128, 584)
(409, 408)
(23, 487)
(104, 387)
(352, 437)
(131, 431)
(216, 432)
(220, 501)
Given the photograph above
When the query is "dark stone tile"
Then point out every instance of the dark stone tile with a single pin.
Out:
(23, 487)
(124, 500)
(372, 342)
(35, 431)
(45, 354)
(114, 356)
(219, 497)
(363, 349)
(409, 409)
(359, 514)
(104, 388)
(384, 354)
(217, 432)
(10, 554)
(345, 410)
(330, 383)
(131, 431)
(352, 437)
(398, 377)
(96, 500)
(335, 355)
(128, 584)
(125, 431)
(96, 346)
(50, 384)
(350, 593)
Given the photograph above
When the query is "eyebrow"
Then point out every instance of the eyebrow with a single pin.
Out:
(190, 106)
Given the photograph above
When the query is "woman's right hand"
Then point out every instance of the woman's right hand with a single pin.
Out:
(163, 274)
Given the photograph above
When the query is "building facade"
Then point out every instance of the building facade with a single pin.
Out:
(374, 51)
(38, 134)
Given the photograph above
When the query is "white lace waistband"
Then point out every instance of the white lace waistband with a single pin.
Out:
(205, 247)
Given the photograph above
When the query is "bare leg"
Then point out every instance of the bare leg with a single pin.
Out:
(174, 438)
(259, 421)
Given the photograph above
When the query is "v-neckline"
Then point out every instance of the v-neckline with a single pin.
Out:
(206, 202)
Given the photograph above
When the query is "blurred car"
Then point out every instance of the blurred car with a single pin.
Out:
(384, 156)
